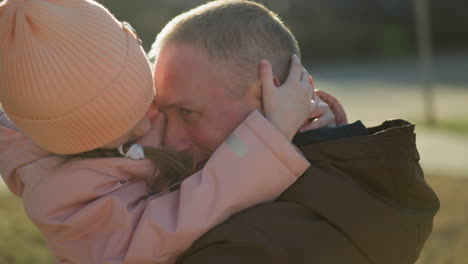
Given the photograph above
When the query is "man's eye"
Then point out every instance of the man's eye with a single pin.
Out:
(185, 112)
(188, 115)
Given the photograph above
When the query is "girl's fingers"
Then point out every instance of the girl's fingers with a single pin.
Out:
(313, 108)
(266, 77)
(323, 121)
(320, 108)
(304, 75)
(304, 79)
(305, 83)
(295, 71)
(311, 82)
(339, 113)
(335, 106)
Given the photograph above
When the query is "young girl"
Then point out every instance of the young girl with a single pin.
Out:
(73, 79)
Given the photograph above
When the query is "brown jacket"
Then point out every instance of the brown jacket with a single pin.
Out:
(363, 200)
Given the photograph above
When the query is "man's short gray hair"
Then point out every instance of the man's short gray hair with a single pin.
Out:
(237, 33)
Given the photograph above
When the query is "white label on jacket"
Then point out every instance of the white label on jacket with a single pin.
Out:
(236, 145)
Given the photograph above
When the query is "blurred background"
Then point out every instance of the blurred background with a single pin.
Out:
(383, 59)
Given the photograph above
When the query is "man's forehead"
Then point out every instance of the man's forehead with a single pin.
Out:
(177, 94)
(182, 76)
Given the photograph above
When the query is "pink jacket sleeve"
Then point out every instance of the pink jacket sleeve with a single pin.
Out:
(94, 211)
(16, 150)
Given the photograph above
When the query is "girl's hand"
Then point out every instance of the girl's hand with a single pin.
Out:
(335, 105)
(321, 115)
(329, 112)
(289, 105)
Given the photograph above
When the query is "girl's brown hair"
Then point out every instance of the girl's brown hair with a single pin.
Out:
(171, 167)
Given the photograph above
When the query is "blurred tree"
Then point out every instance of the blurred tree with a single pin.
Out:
(326, 29)
(423, 28)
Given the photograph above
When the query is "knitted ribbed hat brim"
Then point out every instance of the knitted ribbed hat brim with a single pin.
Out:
(71, 76)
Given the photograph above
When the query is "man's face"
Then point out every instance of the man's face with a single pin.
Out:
(193, 93)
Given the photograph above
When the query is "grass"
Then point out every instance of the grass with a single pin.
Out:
(459, 126)
(22, 243)
(449, 240)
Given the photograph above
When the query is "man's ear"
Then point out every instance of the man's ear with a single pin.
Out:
(311, 81)
(276, 81)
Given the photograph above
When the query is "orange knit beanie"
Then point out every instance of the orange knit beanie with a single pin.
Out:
(72, 77)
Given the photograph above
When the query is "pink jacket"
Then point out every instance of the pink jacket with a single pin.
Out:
(98, 211)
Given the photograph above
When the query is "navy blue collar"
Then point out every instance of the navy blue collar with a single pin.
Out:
(355, 129)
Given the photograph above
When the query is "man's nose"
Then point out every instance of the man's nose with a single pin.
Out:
(177, 138)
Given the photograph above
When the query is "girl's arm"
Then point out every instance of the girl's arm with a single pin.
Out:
(91, 212)
(16, 150)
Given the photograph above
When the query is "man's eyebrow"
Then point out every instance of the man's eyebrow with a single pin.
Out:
(177, 104)
(165, 106)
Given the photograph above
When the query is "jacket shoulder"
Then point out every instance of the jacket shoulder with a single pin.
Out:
(384, 163)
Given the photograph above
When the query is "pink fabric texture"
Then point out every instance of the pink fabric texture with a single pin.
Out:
(72, 77)
(98, 211)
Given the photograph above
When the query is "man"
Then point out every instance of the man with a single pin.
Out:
(364, 199)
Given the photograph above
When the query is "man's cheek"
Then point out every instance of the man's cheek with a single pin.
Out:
(195, 135)
(202, 136)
